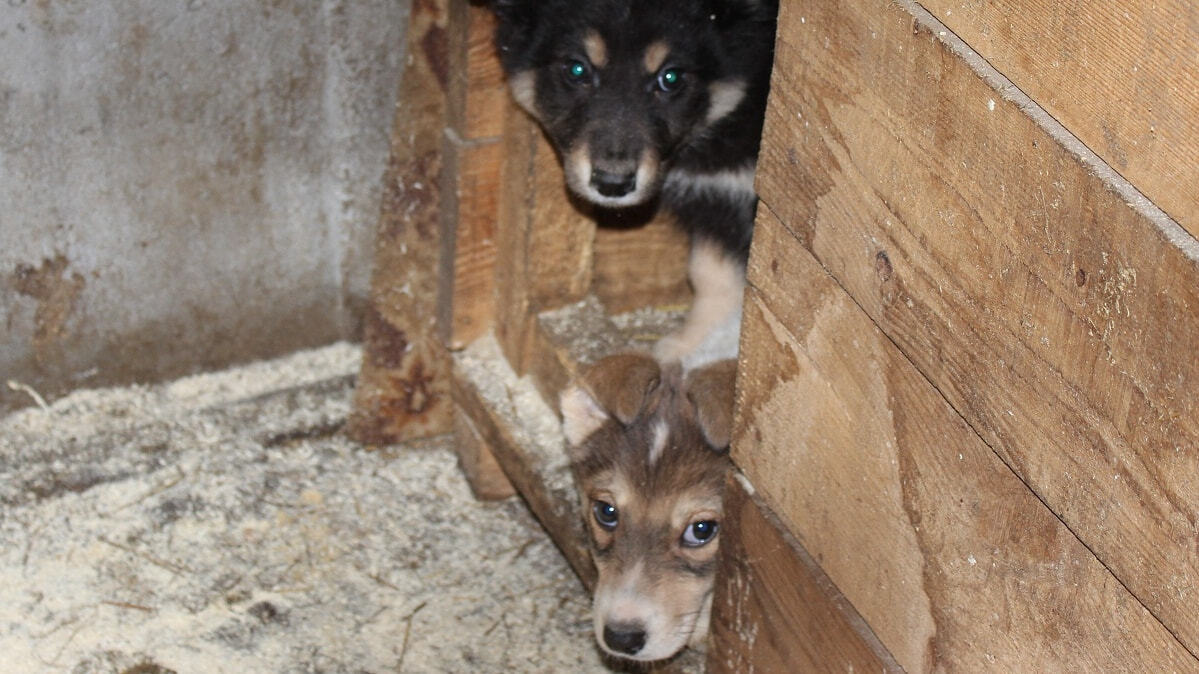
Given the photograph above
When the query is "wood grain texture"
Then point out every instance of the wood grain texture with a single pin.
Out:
(774, 609)
(476, 107)
(470, 212)
(1122, 75)
(478, 92)
(641, 266)
(948, 556)
(1057, 316)
(485, 388)
(403, 389)
(543, 244)
(477, 461)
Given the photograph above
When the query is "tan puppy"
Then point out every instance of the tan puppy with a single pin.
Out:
(650, 454)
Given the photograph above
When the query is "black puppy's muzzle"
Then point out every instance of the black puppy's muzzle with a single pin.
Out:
(613, 184)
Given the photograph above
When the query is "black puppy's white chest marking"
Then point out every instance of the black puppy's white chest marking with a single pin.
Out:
(735, 183)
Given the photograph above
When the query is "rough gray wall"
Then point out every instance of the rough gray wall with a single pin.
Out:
(186, 183)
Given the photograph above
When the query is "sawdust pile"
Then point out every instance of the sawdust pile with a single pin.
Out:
(221, 523)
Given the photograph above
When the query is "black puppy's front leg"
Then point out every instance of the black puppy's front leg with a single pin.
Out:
(718, 281)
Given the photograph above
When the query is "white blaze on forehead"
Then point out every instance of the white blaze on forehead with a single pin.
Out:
(597, 50)
(658, 442)
(724, 97)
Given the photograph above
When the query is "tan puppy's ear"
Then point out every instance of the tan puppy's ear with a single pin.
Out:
(618, 386)
(710, 390)
(581, 415)
(624, 384)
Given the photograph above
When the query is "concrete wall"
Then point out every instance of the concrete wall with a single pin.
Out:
(186, 183)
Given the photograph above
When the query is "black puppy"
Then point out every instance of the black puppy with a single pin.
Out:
(654, 99)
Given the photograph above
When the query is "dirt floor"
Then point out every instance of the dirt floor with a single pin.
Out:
(221, 523)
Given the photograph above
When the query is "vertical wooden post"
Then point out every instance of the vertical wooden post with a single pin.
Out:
(545, 242)
(478, 106)
(403, 389)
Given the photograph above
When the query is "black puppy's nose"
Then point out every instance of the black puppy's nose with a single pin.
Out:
(613, 184)
(626, 638)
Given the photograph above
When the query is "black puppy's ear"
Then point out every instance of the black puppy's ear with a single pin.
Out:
(710, 390)
(732, 15)
(517, 21)
(515, 11)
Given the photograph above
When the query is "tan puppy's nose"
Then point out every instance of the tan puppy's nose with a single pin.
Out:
(627, 638)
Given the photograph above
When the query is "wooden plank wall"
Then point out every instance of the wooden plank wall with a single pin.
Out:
(968, 358)
(1122, 75)
(771, 590)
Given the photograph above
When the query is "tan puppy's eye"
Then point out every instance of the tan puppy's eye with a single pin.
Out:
(605, 514)
(700, 533)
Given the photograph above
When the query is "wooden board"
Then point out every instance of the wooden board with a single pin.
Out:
(1122, 75)
(478, 92)
(403, 389)
(477, 461)
(543, 242)
(476, 107)
(947, 555)
(641, 266)
(774, 609)
(469, 222)
(1053, 309)
(524, 436)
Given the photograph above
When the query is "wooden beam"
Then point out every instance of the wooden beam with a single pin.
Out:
(774, 609)
(1053, 308)
(403, 389)
(1122, 75)
(478, 92)
(477, 106)
(544, 242)
(944, 551)
(524, 435)
(473, 179)
(477, 460)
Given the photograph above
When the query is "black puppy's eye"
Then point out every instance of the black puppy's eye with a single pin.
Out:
(670, 79)
(700, 533)
(605, 514)
(577, 72)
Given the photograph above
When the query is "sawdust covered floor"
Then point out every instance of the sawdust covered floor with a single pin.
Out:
(220, 523)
